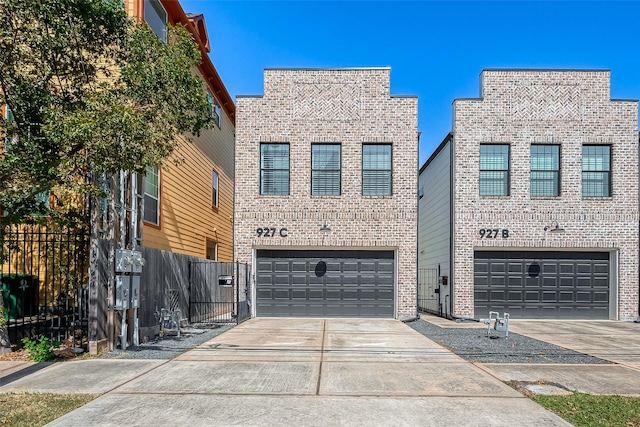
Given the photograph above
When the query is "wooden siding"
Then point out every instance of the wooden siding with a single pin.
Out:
(434, 213)
(187, 217)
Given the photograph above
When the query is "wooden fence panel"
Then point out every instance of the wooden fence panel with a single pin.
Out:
(98, 289)
(165, 282)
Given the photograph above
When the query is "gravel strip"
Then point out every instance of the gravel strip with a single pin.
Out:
(472, 344)
(171, 345)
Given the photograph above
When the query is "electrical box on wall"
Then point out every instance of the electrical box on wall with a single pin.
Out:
(135, 292)
(127, 292)
(129, 261)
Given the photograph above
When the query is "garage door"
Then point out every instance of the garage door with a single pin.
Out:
(542, 285)
(325, 283)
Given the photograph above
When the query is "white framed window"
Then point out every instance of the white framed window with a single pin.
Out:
(545, 170)
(494, 169)
(152, 196)
(274, 169)
(214, 108)
(376, 170)
(156, 18)
(214, 190)
(596, 171)
(325, 169)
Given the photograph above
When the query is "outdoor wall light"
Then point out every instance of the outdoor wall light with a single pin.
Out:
(325, 227)
(554, 228)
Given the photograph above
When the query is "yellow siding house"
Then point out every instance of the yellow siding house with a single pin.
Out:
(188, 202)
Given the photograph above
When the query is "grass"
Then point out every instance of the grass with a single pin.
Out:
(588, 410)
(38, 409)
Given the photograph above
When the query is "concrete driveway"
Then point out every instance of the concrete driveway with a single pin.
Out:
(313, 372)
(617, 342)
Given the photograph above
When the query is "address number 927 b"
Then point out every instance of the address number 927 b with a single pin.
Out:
(493, 233)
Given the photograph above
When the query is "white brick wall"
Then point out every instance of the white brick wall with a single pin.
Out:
(569, 108)
(346, 106)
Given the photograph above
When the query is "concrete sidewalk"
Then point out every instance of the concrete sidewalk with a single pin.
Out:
(294, 371)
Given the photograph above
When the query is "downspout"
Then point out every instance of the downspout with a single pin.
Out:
(638, 317)
(417, 199)
(417, 225)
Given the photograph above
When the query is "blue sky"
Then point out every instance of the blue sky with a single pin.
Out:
(436, 50)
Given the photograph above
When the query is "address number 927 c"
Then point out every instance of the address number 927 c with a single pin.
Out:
(271, 232)
(493, 233)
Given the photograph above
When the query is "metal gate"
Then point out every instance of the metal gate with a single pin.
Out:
(428, 291)
(44, 282)
(218, 292)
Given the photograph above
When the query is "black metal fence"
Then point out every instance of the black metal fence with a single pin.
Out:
(218, 292)
(44, 282)
(429, 298)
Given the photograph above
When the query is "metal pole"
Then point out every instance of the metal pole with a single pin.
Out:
(134, 212)
(237, 292)
(123, 230)
(189, 305)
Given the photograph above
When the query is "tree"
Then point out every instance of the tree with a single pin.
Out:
(90, 92)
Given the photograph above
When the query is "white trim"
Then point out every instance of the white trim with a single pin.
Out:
(215, 186)
(156, 198)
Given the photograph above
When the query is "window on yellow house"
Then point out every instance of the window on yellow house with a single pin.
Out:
(214, 192)
(156, 18)
(152, 196)
(8, 116)
(214, 108)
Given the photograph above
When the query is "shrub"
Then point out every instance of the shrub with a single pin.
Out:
(41, 349)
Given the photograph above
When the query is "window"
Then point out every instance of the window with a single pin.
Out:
(421, 192)
(214, 108)
(152, 196)
(596, 170)
(44, 197)
(376, 170)
(156, 18)
(545, 171)
(494, 170)
(274, 169)
(214, 194)
(325, 169)
(212, 250)
(8, 116)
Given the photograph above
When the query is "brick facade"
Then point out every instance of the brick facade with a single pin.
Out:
(568, 108)
(345, 106)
